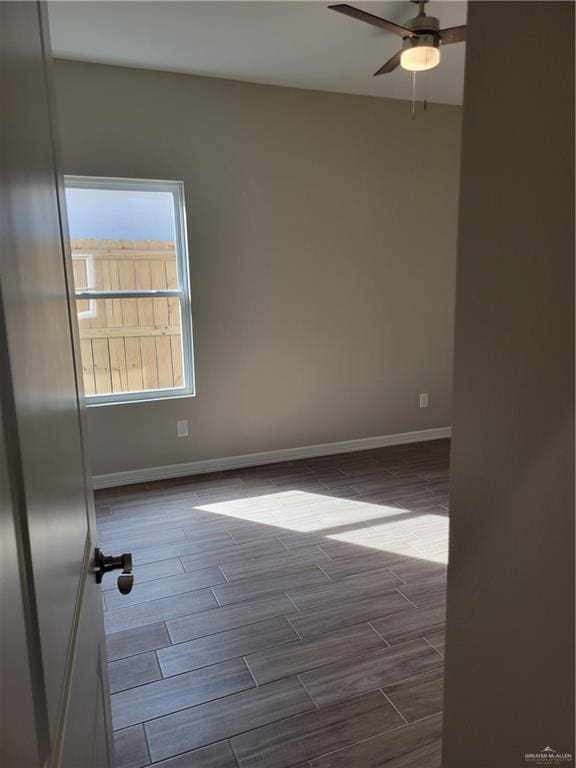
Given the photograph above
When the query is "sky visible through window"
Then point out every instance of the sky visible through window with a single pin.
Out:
(101, 214)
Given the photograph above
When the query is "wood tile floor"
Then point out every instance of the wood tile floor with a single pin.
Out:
(284, 616)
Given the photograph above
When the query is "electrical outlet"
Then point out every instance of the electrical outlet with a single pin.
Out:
(423, 399)
(182, 428)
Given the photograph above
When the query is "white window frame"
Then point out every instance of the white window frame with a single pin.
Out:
(182, 292)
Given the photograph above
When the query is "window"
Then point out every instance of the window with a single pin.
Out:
(130, 267)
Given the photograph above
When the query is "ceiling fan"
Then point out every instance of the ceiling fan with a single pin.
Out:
(421, 37)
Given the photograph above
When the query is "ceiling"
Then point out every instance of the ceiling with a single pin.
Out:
(298, 44)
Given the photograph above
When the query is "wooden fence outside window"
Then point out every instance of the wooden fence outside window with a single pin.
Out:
(133, 344)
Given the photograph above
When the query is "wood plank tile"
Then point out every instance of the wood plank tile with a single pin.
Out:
(426, 500)
(295, 541)
(169, 585)
(144, 515)
(423, 469)
(242, 531)
(368, 543)
(380, 668)
(245, 531)
(211, 480)
(228, 498)
(203, 484)
(293, 538)
(440, 484)
(180, 549)
(430, 521)
(383, 749)
(221, 719)
(145, 520)
(438, 640)
(145, 573)
(215, 756)
(297, 657)
(418, 697)
(429, 540)
(375, 477)
(341, 460)
(222, 514)
(271, 509)
(301, 484)
(279, 561)
(359, 473)
(265, 585)
(130, 748)
(232, 554)
(131, 641)
(365, 609)
(430, 548)
(158, 610)
(351, 511)
(418, 571)
(389, 528)
(389, 495)
(228, 617)
(410, 625)
(360, 562)
(132, 493)
(395, 488)
(127, 539)
(425, 595)
(157, 525)
(427, 756)
(153, 700)
(349, 588)
(259, 531)
(225, 645)
(216, 495)
(133, 671)
(289, 742)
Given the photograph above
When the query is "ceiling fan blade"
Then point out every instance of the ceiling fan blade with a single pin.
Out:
(375, 21)
(390, 65)
(453, 35)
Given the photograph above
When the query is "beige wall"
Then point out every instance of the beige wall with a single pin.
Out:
(510, 638)
(322, 238)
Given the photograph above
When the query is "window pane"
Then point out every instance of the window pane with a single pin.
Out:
(122, 239)
(130, 345)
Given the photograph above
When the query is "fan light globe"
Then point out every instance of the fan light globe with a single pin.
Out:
(420, 58)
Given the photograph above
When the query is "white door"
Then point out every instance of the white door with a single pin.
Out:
(54, 697)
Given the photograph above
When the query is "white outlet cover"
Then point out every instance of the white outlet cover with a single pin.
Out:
(182, 428)
(423, 397)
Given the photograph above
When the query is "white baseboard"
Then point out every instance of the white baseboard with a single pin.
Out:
(130, 476)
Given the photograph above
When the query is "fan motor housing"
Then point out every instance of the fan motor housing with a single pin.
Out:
(423, 24)
(427, 28)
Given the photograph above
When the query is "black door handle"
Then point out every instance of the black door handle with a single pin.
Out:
(105, 563)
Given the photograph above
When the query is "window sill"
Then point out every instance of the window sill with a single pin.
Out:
(97, 403)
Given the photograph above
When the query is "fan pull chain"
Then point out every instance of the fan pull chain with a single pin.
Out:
(413, 95)
(426, 90)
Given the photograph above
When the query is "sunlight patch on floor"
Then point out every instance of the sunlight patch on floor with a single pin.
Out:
(378, 527)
